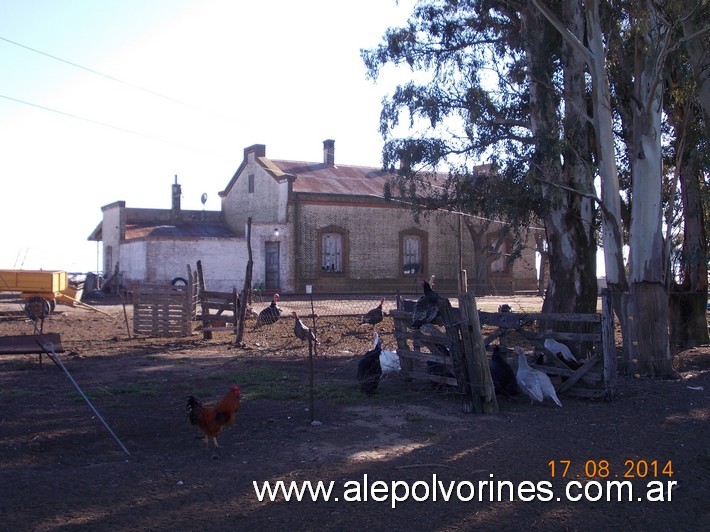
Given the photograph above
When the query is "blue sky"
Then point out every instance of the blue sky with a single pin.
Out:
(198, 82)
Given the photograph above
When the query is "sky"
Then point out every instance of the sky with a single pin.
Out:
(102, 101)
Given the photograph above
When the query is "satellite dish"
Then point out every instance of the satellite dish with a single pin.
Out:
(203, 199)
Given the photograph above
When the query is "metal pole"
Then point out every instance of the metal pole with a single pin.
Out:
(49, 346)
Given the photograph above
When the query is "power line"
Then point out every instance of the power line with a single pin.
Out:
(104, 124)
(96, 72)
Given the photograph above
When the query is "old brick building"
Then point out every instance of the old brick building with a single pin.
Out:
(321, 224)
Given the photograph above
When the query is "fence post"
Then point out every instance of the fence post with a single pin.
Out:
(608, 344)
(206, 335)
(479, 372)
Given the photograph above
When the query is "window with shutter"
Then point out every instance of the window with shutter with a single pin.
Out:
(332, 249)
(412, 255)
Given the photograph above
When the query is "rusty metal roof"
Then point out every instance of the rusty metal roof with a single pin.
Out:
(320, 178)
(136, 231)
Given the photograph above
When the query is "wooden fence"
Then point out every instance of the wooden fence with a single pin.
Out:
(455, 353)
(226, 307)
(455, 356)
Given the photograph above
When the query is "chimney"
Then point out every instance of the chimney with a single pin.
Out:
(175, 214)
(329, 152)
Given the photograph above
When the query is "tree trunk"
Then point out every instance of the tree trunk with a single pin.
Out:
(606, 156)
(646, 239)
(572, 286)
(649, 311)
(688, 301)
(480, 265)
(541, 247)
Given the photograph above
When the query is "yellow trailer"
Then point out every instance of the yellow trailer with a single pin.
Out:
(50, 285)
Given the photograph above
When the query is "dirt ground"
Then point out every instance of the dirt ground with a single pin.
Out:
(61, 468)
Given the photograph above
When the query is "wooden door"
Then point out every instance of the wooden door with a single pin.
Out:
(272, 282)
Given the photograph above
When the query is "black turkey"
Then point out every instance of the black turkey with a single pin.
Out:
(426, 310)
(374, 316)
(301, 331)
(270, 314)
(502, 374)
(369, 369)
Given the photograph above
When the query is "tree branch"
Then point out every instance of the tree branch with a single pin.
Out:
(564, 31)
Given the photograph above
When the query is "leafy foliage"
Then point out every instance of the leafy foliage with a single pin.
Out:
(470, 107)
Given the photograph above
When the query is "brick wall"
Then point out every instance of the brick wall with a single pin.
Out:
(373, 257)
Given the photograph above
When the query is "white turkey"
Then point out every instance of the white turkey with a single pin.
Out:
(301, 331)
(559, 349)
(535, 383)
(270, 314)
(373, 364)
(374, 316)
(426, 310)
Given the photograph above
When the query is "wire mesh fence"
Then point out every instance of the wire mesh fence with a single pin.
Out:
(324, 306)
(355, 306)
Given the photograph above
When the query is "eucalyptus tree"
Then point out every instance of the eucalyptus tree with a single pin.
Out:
(489, 87)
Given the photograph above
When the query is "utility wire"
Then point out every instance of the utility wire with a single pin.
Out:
(96, 72)
(104, 124)
(117, 80)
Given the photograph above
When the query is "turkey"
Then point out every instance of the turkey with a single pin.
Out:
(270, 314)
(374, 316)
(559, 349)
(301, 331)
(369, 369)
(426, 309)
(503, 375)
(375, 363)
(535, 383)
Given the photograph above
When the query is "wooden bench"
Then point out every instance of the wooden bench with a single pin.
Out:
(30, 344)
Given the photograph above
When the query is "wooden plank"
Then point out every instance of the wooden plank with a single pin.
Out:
(589, 364)
(30, 344)
(432, 337)
(424, 376)
(539, 337)
(513, 320)
(425, 357)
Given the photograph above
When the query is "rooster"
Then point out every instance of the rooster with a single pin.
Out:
(211, 420)
(270, 314)
(535, 383)
(374, 316)
(301, 331)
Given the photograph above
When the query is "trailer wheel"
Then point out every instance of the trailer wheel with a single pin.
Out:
(179, 281)
(37, 308)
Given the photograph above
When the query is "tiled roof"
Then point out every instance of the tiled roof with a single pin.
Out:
(183, 230)
(320, 178)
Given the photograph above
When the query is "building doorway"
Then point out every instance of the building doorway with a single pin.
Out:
(272, 282)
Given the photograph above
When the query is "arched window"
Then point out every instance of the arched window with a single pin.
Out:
(332, 253)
